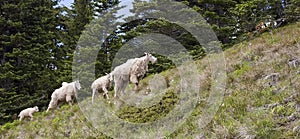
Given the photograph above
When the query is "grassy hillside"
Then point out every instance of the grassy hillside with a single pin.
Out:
(253, 106)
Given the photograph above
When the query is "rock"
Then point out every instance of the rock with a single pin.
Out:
(294, 63)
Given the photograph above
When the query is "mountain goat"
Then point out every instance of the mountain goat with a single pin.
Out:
(101, 83)
(131, 71)
(28, 113)
(66, 93)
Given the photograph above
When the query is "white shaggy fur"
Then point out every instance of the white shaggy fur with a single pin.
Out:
(28, 112)
(64, 83)
(101, 83)
(66, 93)
(133, 70)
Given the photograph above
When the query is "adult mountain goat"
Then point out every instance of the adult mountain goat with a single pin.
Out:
(66, 93)
(131, 71)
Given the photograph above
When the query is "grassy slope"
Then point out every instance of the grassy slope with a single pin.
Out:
(250, 108)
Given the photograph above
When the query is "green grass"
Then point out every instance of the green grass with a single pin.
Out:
(249, 109)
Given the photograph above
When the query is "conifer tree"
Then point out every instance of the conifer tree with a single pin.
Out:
(28, 39)
(72, 22)
(144, 25)
(98, 43)
(291, 10)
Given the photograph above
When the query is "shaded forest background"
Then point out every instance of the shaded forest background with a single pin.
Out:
(38, 39)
